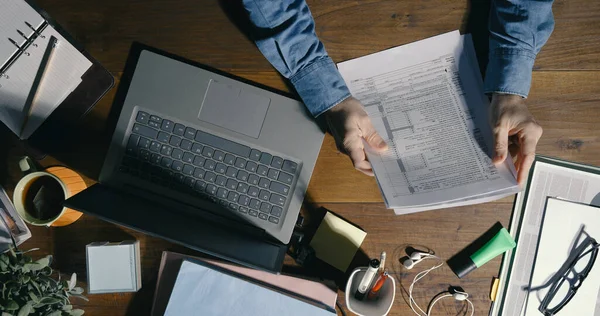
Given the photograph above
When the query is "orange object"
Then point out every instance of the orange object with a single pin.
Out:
(378, 285)
(74, 184)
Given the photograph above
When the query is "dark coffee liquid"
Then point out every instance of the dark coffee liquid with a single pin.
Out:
(43, 198)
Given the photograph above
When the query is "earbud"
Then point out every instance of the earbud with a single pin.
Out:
(415, 258)
(460, 296)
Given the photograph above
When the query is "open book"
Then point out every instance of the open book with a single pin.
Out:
(426, 100)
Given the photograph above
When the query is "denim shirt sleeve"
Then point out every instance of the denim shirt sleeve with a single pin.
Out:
(284, 31)
(518, 30)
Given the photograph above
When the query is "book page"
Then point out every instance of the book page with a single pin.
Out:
(426, 100)
(13, 15)
(63, 75)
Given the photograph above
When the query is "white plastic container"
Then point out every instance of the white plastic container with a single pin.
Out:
(380, 306)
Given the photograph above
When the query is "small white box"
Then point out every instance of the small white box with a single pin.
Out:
(113, 267)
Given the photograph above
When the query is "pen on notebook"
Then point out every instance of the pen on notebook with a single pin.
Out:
(37, 81)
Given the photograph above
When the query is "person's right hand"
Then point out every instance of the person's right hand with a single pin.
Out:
(350, 124)
(510, 117)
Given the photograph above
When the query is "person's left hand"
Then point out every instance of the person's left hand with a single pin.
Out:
(510, 118)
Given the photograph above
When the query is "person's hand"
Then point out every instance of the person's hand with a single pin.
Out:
(350, 124)
(510, 118)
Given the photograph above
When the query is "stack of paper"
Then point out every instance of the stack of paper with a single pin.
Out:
(10, 224)
(426, 100)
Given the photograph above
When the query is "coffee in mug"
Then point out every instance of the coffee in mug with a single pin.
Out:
(43, 197)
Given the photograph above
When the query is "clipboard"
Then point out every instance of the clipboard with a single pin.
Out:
(66, 118)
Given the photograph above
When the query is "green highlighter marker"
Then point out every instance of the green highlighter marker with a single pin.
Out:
(500, 243)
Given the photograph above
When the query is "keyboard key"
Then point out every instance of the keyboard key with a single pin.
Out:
(142, 117)
(222, 193)
(188, 170)
(185, 145)
(166, 162)
(145, 155)
(220, 168)
(167, 126)
(242, 175)
(163, 137)
(223, 202)
(221, 181)
(289, 166)
(144, 143)
(177, 154)
(223, 144)
(166, 150)
(188, 157)
(277, 162)
(153, 124)
(253, 191)
(132, 144)
(189, 182)
(263, 216)
(240, 163)
(244, 200)
(208, 152)
(273, 174)
(201, 185)
(243, 209)
(199, 173)
(262, 170)
(253, 179)
(210, 177)
(279, 188)
(211, 189)
(218, 155)
(198, 161)
(229, 159)
(156, 119)
(264, 183)
(145, 131)
(276, 211)
(277, 199)
(190, 133)
(209, 164)
(233, 196)
(255, 155)
(265, 207)
(175, 141)
(273, 220)
(265, 158)
(242, 187)
(179, 129)
(253, 213)
(254, 203)
(285, 178)
(155, 159)
(231, 184)
(264, 195)
(231, 172)
(179, 178)
(233, 206)
(177, 165)
(196, 148)
(251, 166)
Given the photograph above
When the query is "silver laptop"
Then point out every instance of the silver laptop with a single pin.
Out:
(199, 141)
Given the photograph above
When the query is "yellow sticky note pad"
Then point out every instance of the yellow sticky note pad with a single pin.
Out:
(336, 241)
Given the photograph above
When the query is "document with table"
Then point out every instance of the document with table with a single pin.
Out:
(24, 36)
(426, 100)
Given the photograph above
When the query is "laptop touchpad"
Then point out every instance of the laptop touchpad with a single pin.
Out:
(234, 108)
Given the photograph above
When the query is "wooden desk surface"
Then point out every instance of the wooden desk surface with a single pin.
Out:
(565, 98)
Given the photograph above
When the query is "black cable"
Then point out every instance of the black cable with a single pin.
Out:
(340, 307)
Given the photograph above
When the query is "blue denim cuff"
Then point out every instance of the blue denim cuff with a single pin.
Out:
(509, 71)
(320, 86)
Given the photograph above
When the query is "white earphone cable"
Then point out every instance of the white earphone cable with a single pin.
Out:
(449, 295)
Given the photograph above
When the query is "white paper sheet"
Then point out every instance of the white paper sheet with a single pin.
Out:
(426, 100)
(13, 15)
(10, 223)
(65, 69)
(547, 179)
(203, 291)
(563, 221)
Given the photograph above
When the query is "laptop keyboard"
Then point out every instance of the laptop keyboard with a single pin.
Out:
(236, 176)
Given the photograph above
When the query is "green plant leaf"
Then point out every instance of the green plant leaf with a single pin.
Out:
(45, 261)
(34, 297)
(76, 312)
(47, 301)
(67, 308)
(11, 306)
(26, 309)
(6, 314)
(73, 281)
(54, 313)
(76, 290)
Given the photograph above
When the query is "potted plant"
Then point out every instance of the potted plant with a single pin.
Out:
(27, 288)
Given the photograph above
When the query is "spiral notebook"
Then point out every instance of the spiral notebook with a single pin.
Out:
(24, 35)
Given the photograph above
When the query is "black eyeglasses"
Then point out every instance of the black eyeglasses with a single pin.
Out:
(569, 277)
